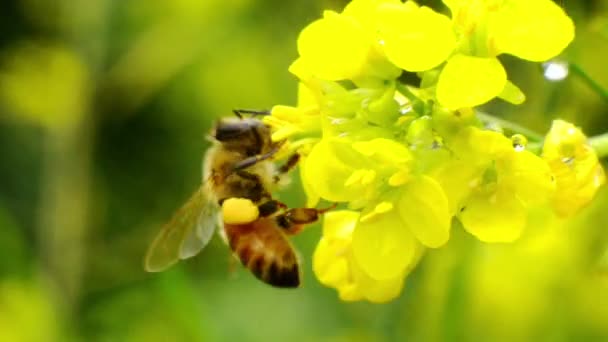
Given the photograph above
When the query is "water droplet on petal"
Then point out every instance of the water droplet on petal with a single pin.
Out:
(405, 110)
(337, 121)
(519, 142)
(492, 126)
(555, 71)
(568, 161)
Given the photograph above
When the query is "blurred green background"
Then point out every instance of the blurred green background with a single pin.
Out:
(104, 110)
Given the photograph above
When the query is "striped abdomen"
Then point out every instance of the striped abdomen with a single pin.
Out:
(265, 250)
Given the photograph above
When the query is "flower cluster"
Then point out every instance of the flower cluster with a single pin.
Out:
(406, 160)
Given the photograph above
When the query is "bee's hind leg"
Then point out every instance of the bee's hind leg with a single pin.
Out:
(293, 220)
(271, 207)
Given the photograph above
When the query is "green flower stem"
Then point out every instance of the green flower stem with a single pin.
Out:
(578, 71)
(511, 126)
(405, 91)
(600, 144)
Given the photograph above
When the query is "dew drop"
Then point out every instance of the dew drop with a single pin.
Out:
(492, 126)
(405, 110)
(555, 71)
(519, 142)
(568, 161)
(337, 121)
(436, 144)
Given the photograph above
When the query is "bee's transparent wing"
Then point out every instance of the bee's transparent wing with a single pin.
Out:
(189, 230)
(198, 237)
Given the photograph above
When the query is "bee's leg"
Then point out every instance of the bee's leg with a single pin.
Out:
(250, 161)
(271, 207)
(293, 220)
(239, 112)
(291, 162)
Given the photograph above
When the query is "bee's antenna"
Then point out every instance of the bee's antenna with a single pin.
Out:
(239, 112)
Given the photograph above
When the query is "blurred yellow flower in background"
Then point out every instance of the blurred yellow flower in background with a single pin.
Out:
(575, 166)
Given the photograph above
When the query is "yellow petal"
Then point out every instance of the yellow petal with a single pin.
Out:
(576, 185)
(494, 217)
(365, 11)
(487, 143)
(564, 141)
(536, 30)
(312, 198)
(335, 266)
(334, 48)
(383, 246)
(306, 96)
(415, 39)
(528, 175)
(456, 178)
(377, 291)
(330, 260)
(468, 81)
(385, 151)
(329, 267)
(423, 207)
(329, 165)
(575, 166)
(512, 94)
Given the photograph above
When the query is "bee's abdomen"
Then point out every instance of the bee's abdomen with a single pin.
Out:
(265, 251)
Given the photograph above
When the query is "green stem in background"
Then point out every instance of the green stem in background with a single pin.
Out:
(578, 71)
(599, 142)
(417, 103)
(600, 145)
(405, 91)
(510, 126)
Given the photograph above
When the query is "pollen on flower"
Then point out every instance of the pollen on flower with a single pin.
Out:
(380, 208)
(362, 177)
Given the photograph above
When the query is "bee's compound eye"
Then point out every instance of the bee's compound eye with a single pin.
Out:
(239, 211)
(230, 130)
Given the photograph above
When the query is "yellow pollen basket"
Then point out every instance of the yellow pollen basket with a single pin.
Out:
(239, 211)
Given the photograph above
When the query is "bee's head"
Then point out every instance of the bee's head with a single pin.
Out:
(249, 136)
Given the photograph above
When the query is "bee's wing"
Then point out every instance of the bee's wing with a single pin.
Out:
(198, 237)
(189, 230)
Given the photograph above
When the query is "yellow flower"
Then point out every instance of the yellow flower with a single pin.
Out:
(534, 30)
(575, 166)
(375, 175)
(339, 47)
(424, 210)
(335, 265)
(414, 38)
(495, 185)
(468, 81)
(336, 172)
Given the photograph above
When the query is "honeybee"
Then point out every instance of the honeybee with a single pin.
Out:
(238, 174)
